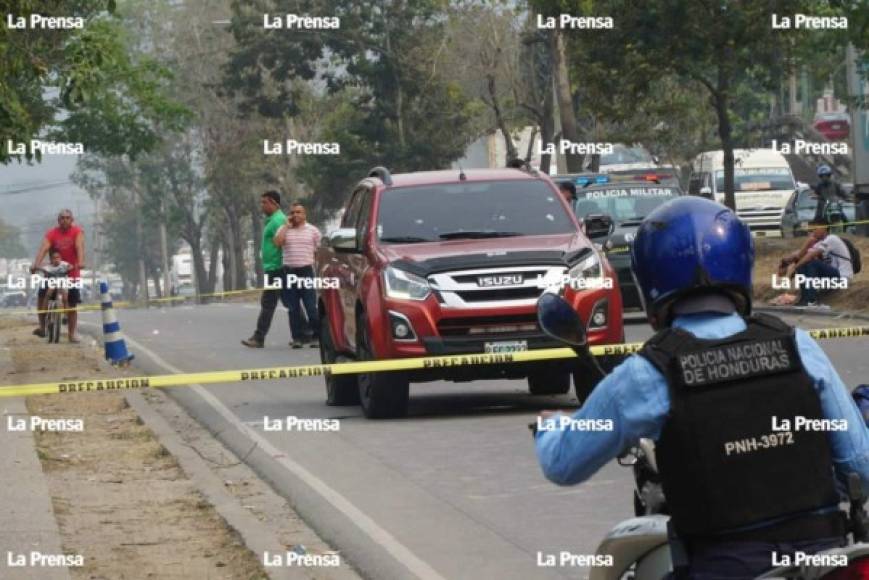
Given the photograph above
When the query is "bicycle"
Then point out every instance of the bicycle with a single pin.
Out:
(53, 316)
(54, 307)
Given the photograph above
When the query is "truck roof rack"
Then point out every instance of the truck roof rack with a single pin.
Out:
(381, 173)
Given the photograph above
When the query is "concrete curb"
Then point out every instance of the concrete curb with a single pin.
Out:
(254, 534)
(811, 312)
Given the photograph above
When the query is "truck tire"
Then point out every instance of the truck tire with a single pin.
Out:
(383, 395)
(549, 382)
(340, 389)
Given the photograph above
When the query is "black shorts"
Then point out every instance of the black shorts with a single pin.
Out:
(73, 295)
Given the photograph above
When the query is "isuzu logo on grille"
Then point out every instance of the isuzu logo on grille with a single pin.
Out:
(499, 280)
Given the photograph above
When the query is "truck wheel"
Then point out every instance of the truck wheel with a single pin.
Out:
(382, 395)
(340, 389)
(549, 382)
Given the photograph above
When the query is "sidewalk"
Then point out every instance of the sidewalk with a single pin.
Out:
(25, 505)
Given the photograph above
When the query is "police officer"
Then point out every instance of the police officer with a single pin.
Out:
(827, 190)
(713, 388)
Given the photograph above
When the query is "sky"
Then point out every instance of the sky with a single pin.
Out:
(32, 195)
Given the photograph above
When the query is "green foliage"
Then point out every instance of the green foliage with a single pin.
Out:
(80, 84)
(392, 105)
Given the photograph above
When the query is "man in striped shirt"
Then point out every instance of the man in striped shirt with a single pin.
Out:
(299, 241)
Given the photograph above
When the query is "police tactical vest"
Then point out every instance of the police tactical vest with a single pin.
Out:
(722, 464)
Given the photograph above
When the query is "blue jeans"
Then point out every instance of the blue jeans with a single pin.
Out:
(816, 269)
(297, 296)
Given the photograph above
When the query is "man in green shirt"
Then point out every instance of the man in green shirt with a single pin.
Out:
(272, 257)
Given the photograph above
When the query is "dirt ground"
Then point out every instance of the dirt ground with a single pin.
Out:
(770, 250)
(120, 499)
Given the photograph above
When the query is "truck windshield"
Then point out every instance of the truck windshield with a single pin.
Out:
(760, 179)
(481, 209)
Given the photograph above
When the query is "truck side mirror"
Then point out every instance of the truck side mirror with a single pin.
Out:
(343, 240)
(557, 319)
(597, 225)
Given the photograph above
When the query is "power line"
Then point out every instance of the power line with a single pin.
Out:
(51, 185)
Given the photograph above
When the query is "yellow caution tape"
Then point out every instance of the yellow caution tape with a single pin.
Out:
(832, 225)
(348, 368)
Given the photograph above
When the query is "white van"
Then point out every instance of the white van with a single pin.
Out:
(763, 183)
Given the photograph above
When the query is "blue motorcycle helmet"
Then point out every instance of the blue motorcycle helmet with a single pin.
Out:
(691, 246)
(823, 170)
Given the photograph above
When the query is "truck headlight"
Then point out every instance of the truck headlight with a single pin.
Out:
(587, 273)
(401, 284)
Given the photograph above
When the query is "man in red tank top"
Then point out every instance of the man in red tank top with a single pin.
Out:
(69, 241)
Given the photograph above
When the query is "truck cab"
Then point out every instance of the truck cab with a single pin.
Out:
(452, 262)
(763, 184)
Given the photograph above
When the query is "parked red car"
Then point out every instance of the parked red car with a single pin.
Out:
(451, 262)
(833, 126)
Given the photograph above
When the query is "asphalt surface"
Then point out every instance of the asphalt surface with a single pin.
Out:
(452, 491)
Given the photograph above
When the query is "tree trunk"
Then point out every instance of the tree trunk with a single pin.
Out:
(569, 129)
(140, 242)
(214, 257)
(721, 100)
(530, 151)
(547, 128)
(155, 277)
(164, 250)
(199, 273)
(499, 118)
(226, 260)
(725, 133)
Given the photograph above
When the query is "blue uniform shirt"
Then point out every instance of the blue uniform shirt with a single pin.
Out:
(635, 396)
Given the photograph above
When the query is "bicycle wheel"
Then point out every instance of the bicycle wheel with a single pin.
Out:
(52, 322)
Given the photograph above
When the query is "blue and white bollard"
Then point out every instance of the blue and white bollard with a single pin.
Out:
(116, 348)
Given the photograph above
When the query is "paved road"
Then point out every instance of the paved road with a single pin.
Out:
(453, 491)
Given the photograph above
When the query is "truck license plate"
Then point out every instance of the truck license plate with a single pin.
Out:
(505, 346)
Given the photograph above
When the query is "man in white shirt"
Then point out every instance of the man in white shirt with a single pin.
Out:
(299, 241)
(824, 264)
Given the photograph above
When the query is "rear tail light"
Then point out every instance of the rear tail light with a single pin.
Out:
(856, 570)
(651, 177)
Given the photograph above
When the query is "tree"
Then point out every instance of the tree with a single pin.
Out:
(382, 66)
(719, 45)
(78, 84)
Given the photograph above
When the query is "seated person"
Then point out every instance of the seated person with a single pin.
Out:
(824, 256)
(56, 270)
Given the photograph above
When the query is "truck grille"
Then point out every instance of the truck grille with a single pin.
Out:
(492, 287)
(761, 219)
(486, 326)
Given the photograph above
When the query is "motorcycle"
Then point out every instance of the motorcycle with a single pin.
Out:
(640, 548)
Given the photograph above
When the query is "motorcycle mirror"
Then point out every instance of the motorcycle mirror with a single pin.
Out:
(559, 320)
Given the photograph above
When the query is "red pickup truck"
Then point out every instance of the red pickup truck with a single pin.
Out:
(452, 262)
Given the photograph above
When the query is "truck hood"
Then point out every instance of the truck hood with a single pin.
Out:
(432, 257)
